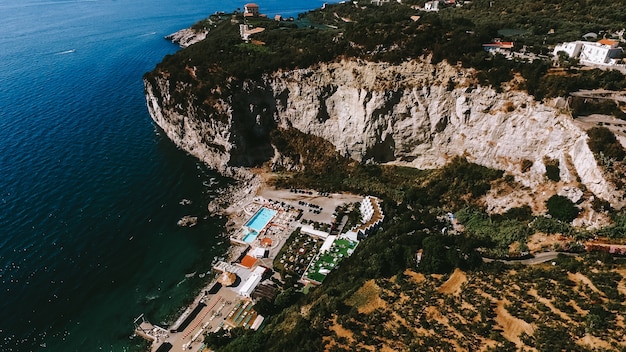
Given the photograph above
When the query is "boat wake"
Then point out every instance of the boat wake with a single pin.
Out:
(65, 52)
(146, 34)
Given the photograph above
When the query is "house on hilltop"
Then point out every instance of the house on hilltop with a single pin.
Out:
(497, 45)
(245, 31)
(602, 52)
(431, 6)
(250, 10)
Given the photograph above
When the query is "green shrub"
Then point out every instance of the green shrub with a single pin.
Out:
(551, 226)
(561, 208)
(552, 169)
(602, 140)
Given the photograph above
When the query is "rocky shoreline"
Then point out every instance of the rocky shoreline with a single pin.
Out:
(186, 37)
(230, 204)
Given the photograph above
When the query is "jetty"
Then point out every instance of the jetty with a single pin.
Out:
(148, 331)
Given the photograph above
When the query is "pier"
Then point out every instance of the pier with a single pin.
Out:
(149, 331)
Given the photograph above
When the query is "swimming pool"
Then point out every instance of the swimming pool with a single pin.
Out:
(261, 219)
(250, 237)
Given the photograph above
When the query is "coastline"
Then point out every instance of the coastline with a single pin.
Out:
(229, 203)
(218, 304)
(232, 199)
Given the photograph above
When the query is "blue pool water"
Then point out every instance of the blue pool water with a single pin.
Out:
(261, 219)
(249, 238)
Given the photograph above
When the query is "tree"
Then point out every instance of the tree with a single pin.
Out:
(602, 140)
(264, 307)
(287, 298)
(562, 208)
(434, 258)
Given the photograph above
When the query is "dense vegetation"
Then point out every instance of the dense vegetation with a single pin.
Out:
(602, 140)
(387, 33)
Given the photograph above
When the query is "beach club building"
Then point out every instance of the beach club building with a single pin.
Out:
(372, 217)
(252, 282)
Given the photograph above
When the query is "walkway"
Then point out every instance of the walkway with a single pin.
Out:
(539, 258)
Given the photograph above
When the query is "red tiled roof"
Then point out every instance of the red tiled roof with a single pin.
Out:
(248, 261)
(503, 45)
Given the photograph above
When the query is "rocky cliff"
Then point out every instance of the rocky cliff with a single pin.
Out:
(415, 114)
(186, 37)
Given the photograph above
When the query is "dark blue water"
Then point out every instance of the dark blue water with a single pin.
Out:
(89, 188)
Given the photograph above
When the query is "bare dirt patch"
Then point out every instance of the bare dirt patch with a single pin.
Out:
(367, 298)
(578, 277)
(512, 327)
(416, 277)
(539, 241)
(453, 285)
(433, 312)
(341, 331)
(577, 308)
(591, 341)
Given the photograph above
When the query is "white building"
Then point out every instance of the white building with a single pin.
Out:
(572, 49)
(431, 5)
(602, 52)
(252, 282)
(372, 217)
(367, 209)
(309, 230)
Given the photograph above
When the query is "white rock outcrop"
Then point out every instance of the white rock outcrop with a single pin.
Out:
(415, 114)
(186, 37)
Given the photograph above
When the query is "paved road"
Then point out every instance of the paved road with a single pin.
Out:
(539, 258)
(600, 94)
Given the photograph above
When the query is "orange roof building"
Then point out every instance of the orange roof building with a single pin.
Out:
(498, 44)
(610, 42)
(251, 9)
(248, 261)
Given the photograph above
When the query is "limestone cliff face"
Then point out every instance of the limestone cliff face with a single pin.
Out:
(416, 114)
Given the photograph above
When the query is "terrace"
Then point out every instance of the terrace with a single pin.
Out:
(327, 260)
(297, 253)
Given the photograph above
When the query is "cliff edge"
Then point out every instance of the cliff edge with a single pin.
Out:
(415, 113)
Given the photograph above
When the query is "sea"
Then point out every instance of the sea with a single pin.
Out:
(90, 188)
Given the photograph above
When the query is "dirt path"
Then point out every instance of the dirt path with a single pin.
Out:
(453, 285)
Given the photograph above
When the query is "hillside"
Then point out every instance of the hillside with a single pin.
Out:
(575, 305)
(406, 105)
